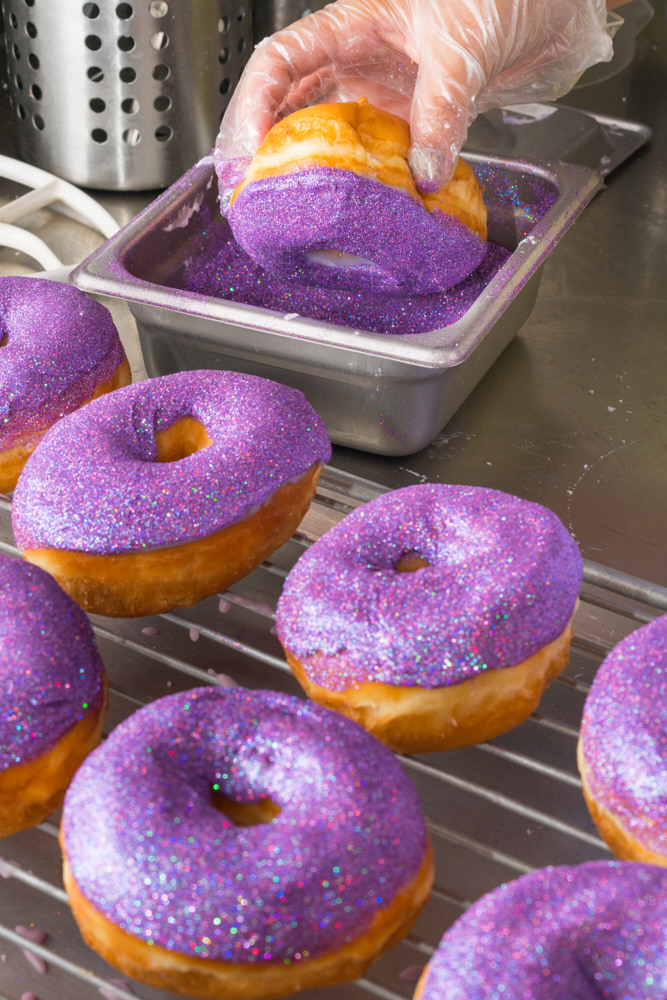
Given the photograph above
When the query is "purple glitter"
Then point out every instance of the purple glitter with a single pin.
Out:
(94, 483)
(150, 852)
(51, 674)
(60, 346)
(624, 736)
(502, 582)
(279, 221)
(586, 932)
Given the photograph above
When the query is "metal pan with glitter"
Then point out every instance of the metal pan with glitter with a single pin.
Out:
(385, 382)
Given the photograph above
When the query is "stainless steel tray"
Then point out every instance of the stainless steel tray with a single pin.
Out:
(390, 394)
(494, 811)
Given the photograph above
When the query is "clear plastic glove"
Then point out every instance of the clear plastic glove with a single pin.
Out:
(436, 63)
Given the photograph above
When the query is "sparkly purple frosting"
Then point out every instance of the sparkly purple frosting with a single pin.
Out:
(51, 674)
(586, 932)
(280, 221)
(502, 582)
(60, 345)
(150, 852)
(94, 483)
(624, 735)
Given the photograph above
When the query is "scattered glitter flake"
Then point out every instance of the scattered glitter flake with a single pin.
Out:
(223, 606)
(6, 870)
(38, 963)
(506, 570)
(194, 634)
(412, 973)
(223, 679)
(31, 934)
(150, 630)
(29, 996)
(156, 857)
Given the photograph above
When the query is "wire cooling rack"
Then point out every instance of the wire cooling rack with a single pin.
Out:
(494, 811)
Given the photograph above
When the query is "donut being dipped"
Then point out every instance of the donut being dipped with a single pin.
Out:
(169, 490)
(434, 615)
(621, 753)
(329, 200)
(53, 688)
(58, 350)
(589, 931)
(230, 843)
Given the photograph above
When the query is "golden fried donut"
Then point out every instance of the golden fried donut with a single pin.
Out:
(330, 185)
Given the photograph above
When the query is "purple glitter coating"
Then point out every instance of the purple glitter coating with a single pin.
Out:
(279, 221)
(51, 674)
(60, 346)
(149, 850)
(502, 582)
(624, 735)
(584, 932)
(94, 483)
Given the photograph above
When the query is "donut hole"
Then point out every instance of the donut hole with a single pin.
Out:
(262, 811)
(410, 562)
(344, 261)
(181, 440)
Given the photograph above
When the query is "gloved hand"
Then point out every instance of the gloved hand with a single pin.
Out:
(436, 63)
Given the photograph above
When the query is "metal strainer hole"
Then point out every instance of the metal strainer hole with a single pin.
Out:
(33, 60)
(241, 14)
(126, 43)
(223, 55)
(30, 29)
(98, 135)
(224, 86)
(127, 74)
(240, 45)
(163, 133)
(38, 122)
(131, 136)
(93, 43)
(20, 111)
(130, 106)
(160, 40)
(161, 71)
(17, 52)
(13, 20)
(36, 92)
(91, 10)
(97, 105)
(223, 24)
(162, 103)
(124, 11)
(95, 74)
(19, 82)
(29, 3)
(158, 8)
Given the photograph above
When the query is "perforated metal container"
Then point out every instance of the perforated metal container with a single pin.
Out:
(122, 95)
(272, 15)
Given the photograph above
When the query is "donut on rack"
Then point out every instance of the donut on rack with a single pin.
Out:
(434, 615)
(622, 754)
(169, 490)
(53, 693)
(58, 350)
(329, 199)
(588, 932)
(232, 843)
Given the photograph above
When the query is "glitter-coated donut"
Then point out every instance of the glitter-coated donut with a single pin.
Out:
(584, 932)
(58, 349)
(329, 200)
(169, 490)
(622, 752)
(52, 693)
(434, 615)
(171, 884)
